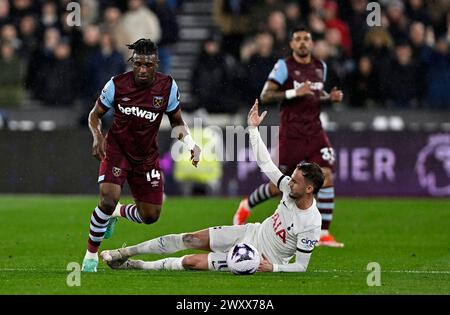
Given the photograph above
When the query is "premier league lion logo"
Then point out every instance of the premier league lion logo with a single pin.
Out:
(433, 165)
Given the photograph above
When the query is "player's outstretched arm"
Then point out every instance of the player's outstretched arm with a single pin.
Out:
(95, 126)
(182, 133)
(259, 149)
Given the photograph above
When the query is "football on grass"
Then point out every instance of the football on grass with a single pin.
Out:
(243, 259)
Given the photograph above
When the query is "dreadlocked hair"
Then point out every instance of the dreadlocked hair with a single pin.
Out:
(143, 46)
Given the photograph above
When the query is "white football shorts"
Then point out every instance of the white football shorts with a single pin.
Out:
(222, 238)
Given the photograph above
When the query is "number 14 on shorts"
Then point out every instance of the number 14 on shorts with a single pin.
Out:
(153, 177)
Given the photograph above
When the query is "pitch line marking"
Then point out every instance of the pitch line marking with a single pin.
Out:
(315, 271)
(388, 271)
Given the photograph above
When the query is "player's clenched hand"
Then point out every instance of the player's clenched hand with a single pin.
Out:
(98, 147)
(195, 155)
(336, 95)
(305, 89)
(253, 118)
(265, 265)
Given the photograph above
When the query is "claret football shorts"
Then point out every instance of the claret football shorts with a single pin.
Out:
(315, 149)
(146, 186)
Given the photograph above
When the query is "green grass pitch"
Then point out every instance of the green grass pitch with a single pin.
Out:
(409, 238)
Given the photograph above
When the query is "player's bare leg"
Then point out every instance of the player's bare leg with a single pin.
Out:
(259, 195)
(141, 212)
(325, 204)
(109, 196)
(166, 244)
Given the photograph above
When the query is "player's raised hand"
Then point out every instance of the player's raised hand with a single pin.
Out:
(253, 118)
(305, 89)
(265, 265)
(98, 147)
(336, 95)
(195, 155)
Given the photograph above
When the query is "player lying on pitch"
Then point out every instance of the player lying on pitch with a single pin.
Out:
(293, 229)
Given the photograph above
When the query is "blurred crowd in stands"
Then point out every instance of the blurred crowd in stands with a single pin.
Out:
(405, 63)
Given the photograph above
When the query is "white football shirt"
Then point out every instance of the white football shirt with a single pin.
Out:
(289, 231)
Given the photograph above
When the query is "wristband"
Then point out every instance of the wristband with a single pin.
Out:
(187, 139)
(290, 94)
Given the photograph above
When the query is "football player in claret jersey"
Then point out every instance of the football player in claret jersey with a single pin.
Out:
(298, 83)
(129, 152)
(293, 229)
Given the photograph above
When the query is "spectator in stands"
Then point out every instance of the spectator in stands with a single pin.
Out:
(233, 20)
(29, 35)
(402, 83)
(21, 8)
(398, 22)
(260, 12)
(58, 90)
(140, 22)
(335, 65)
(40, 62)
(103, 64)
(89, 46)
(213, 78)
(5, 17)
(112, 24)
(358, 27)
(9, 34)
(378, 44)
(89, 11)
(317, 25)
(169, 36)
(49, 15)
(11, 75)
(362, 85)
(276, 25)
(416, 10)
(258, 65)
(333, 21)
(438, 78)
(293, 15)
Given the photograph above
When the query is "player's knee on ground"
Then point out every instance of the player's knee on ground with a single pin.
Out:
(150, 216)
(108, 204)
(194, 262)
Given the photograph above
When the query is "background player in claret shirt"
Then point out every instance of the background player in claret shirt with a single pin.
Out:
(129, 152)
(298, 83)
(293, 229)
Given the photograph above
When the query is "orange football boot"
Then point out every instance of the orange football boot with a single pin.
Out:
(329, 241)
(242, 213)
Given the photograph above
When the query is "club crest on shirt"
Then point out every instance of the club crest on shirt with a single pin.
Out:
(116, 171)
(158, 101)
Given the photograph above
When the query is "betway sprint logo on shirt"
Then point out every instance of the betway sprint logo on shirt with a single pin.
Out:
(136, 111)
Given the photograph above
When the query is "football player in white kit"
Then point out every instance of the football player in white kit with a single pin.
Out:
(293, 229)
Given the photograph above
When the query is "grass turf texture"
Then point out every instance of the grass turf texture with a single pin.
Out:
(409, 238)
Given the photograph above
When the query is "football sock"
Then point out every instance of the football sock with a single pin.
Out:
(116, 212)
(131, 213)
(90, 255)
(171, 263)
(97, 228)
(166, 244)
(261, 194)
(325, 204)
